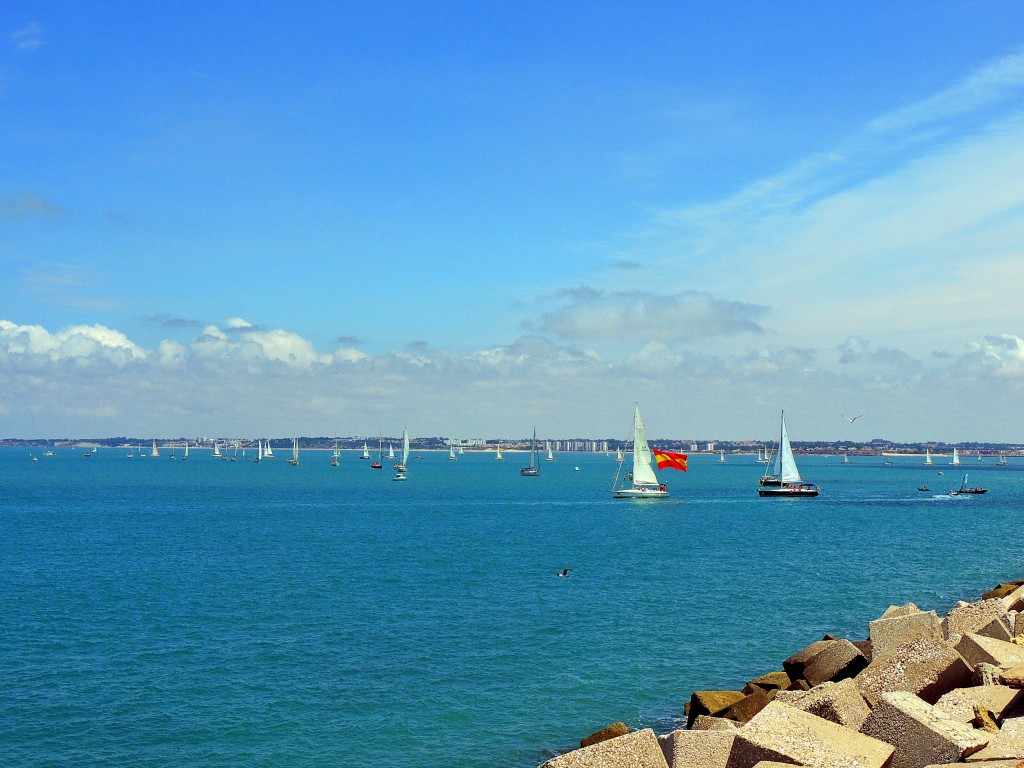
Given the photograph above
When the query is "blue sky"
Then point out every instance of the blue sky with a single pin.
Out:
(471, 218)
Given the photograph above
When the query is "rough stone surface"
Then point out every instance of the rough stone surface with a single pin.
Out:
(779, 680)
(900, 610)
(970, 617)
(1018, 624)
(709, 723)
(997, 629)
(795, 664)
(639, 749)
(960, 704)
(1008, 744)
(1013, 677)
(1015, 599)
(1002, 590)
(745, 709)
(697, 749)
(978, 649)
(710, 703)
(920, 734)
(990, 764)
(840, 703)
(841, 659)
(613, 730)
(924, 666)
(790, 735)
(888, 633)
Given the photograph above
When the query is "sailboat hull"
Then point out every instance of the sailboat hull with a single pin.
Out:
(642, 492)
(801, 491)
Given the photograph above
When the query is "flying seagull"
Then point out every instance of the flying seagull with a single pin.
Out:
(853, 419)
(564, 574)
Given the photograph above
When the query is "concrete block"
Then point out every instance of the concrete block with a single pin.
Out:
(998, 699)
(745, 709)
(998, 629)
(772, 680)
(613, 730)
(1008, 744)
(710, 703)
(1002, 590)
(888, 633)
(789, 735)
(989, 764)
(709, 723)
(639, 749)
(920, 734)
(840, 703)
(697, 749)
(1013, 677)
(841, 659)
(978, 649)
(1014, 600)
(900, 610)
(795, 664)
(927, 667)
(970, 617)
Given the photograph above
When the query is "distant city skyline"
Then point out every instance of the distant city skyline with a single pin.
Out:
(484, 219)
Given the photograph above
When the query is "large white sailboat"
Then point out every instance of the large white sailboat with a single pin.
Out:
(533, 470)
(782, 478)
(642, 481)
(400, 467)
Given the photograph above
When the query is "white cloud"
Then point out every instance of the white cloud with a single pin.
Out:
(1001, 356)
(81, 342)
(29, 37)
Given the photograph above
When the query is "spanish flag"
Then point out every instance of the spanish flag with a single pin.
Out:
(668, 460)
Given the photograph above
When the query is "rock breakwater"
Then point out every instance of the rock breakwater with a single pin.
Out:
(921, 691)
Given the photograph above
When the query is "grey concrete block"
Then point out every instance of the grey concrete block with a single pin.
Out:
(840, 703)
(697, 749)
(888, 633)
(978, 649)
(926, 667)
(998, 699)
(639, 749)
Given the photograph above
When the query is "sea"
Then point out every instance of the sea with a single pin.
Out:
(215, 613)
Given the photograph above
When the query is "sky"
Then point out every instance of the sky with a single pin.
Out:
(473, 219)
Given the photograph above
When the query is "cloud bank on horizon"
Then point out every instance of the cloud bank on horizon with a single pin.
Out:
(880, 274)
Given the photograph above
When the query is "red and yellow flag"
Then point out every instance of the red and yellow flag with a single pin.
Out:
(667, 460)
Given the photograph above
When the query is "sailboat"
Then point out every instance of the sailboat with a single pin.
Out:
(533, 470)
(846, 458)
(784, 480)
(366, 451)
(762, 455)
(721, 457)
(618, 455)
(964, 489)
(336, 455)
(377, 463)
(400, 467)
(185, 457)
(551, 456)
(928, 456)
(155, 451)
(259, 452)
(268, 452)
(216, 450)
(956, 458)
(294, 460)
(391, 450)
(497, 455)
(1002, 460)
(234, 456)
(642, 480)
(451, 453)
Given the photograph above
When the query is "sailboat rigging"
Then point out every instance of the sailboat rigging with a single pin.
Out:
(642, 481)
(533, 470)
(782, 479)
(400, 466)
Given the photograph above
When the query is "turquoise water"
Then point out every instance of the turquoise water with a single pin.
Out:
(209, 613)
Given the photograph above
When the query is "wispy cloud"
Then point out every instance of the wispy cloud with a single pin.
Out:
(29, 37)
(28, 205)
(591, 314)
(65, 284)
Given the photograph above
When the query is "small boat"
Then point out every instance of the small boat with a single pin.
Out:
(401, 465)
(378, 463)
(762, 455)
(533, 470)
(618, 455)
(721, 457)
(642, 481)
(259, 452)
(366, 452)
(185, 457)
(923, 488)
(451, 453)
(888, 462)
(391, 450)
(782, 479)
(928, 456)
(294, 460)
(336, 455)
(551, 456)
(1001, 463)
(268, 452)
(49, 453)
(156, 451)
(965, 489)
(846, 458)
(956, 458)
(216, 450)
(498, 456)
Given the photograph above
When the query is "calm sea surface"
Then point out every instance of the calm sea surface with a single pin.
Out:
(209, 613)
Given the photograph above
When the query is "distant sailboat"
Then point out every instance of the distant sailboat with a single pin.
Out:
(643, 482)
(497, 455)
(378, 462)
(268, 452)
(533, 470)
(451, 453)
(956, 458)
(618, 455)
(400, 467)
(259, 452)
(336, 455)
(721, 457)
(391, 450)
(846, 458)
(551, 456)
(928, 456)
(783, 479)
(156, 451)
(185, 457)
(294, 460)
(216, 450)
(366, 452)
(1002, 460)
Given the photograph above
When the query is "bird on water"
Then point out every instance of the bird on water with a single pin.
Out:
(564, 573)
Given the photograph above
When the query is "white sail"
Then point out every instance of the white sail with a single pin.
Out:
(451, 453)
(391, 450)
(155, 451)
(405, 446)
(216, 449)
(788, 473)
(643, 472)
(956, 457)
(186, 451)
(551, 456)
(268, 452)
(498, 456)
(927, 456)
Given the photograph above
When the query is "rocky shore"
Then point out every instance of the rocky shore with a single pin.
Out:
(921, 691)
